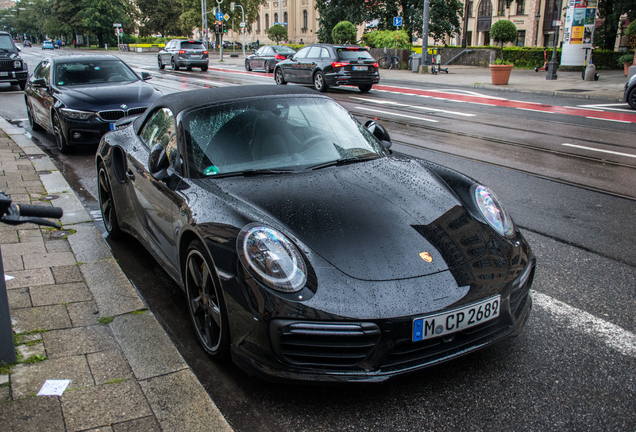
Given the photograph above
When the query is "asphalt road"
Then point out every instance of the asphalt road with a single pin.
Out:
(573, 366)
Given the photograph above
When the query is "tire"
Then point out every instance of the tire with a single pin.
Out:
(365, 88)
(397, 64)
(34, 125)
(188, 68)
(106, 203)
(631, 98)
(160, 65)
(279, 76)
(384, 62)
(268, 69)
(62, 145)
(319, 82)
(206, 304)
(204, 68)
(174, 64)
(247, 65)
(22, 85)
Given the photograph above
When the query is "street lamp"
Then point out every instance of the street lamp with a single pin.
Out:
(553, 64)
(243, 23)
(536, 36)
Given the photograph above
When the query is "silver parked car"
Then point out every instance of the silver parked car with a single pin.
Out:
(183, 53)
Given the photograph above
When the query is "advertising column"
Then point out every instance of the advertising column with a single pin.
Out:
(578, 32)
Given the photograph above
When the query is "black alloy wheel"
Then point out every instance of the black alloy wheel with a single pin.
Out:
(319, 82)
(174, 64)
(279, 77)
(631, 98)
(106, 204)
(204, 68)
(365, 88)
(247, 65)
(267, 67)
(62, 145)
(159, 64)
(34, 125)
(205, 303)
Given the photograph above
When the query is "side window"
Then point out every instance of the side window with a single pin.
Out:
(159, 129)
(302, 53)
(324, 53)
(314, 52)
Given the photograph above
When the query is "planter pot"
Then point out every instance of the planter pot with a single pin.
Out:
(626, 66)
(500, 74)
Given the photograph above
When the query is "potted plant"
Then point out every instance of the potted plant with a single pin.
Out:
(631, 32)
(626, 61)
(501, 32)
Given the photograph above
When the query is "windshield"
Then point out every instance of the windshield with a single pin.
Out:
(83, 72)
(6, 43)
(282, 133)
(354, 54)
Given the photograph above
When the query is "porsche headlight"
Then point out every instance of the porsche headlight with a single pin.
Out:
(491, 208)
(76, 114)
(272, 258)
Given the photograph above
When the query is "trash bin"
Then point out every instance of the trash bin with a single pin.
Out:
(414, 62)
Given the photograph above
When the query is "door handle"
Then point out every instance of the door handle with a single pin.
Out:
(130, 175)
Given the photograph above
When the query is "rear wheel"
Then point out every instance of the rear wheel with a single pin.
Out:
(174, 64)
(268, 68)
(160, 65)
(319, 82)
(188, 68)
(205, 302)
(365, 88)
(62, 145)
(106, 204)
(631, 98)
(34, 125)
(280, 78)
(204, 68)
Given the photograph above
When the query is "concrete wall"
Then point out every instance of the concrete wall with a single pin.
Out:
(477, 57)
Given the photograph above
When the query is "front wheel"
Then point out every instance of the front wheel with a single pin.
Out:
(160, 65)
(106, 204)
(268, 68)
(247, 65)
(280, 78)
(319, 82)
(22, 85)
(631, 98)
(62, 145)
(206, 303)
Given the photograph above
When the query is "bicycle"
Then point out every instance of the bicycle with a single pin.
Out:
(388, 62)
(13, 214)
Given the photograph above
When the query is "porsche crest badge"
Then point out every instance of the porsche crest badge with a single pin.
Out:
(426, 257)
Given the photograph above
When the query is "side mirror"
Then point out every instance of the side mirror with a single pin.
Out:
(145, 76)
(253, 51)
(380, 133)
(39, 82)
(158, 162)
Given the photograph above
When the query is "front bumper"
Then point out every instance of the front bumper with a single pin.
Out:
(13, 76)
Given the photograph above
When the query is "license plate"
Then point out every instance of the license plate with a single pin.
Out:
(4, 73)
(112, 126)
(194, 56)
(360, 68)
(456, 320)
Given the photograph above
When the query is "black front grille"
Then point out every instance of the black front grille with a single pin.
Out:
(6, 65)
(328, 345)
(117, 114)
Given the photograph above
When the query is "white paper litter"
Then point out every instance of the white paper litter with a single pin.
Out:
(53, 387)
(7, 277)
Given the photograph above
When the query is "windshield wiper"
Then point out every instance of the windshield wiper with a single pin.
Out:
(344, 161)
(252, 173)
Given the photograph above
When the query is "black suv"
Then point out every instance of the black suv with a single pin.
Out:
(325, 65)
(13, 69)
(180, 52)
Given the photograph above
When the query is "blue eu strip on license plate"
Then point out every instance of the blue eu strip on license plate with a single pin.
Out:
(112, 126)
(459, 319)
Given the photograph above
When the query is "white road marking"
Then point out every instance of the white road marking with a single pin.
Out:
(379, 101)
(618, 121)
(444, 111)
(612, 335)
(539, 111)
(397, 115)
(599, 150)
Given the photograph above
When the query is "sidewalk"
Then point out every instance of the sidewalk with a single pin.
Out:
(76, 317)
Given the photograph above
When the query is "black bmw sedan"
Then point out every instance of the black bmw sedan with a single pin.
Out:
(324, 65)
(78, 98)
(266, 57)
(306, 248)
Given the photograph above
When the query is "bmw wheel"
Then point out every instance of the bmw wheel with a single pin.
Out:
(106, 204)
(62, 145)
(280, 78)
(319, 82)
(205, 302)
(159, 64)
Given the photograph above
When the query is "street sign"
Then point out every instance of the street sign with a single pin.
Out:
(558, 23)
(116, 25)
(226, 17)
(242, 24)
(397, 21)
(219, 16)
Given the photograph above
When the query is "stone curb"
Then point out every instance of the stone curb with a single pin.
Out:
(161, 377)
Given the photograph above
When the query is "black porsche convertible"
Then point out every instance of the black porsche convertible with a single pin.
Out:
(307, 249)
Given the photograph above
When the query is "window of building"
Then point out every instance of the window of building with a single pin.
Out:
(266, 21)
(258, 23)
(285, 18)
(470, 9)
(485, 8)
(275, 18)
(521, 38)
(521, 5)
(305, 20)
(502, 8)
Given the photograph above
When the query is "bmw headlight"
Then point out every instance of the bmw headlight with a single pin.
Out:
(490, 207)
(17, 64)
(76, 114)
(272, 258)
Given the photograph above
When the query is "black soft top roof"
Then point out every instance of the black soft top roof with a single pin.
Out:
(177, 102)
(83, 58)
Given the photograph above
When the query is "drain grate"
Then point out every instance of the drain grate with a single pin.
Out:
(49, 197)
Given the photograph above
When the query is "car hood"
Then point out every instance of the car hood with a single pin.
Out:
(378, 220)
(109, 95)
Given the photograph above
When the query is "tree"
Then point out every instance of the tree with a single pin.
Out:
(344, 32)
(331, 12)
(631, 33)
(98, 16)
(159, 17)
(611, 11)
(503, 31)
(277, 33)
